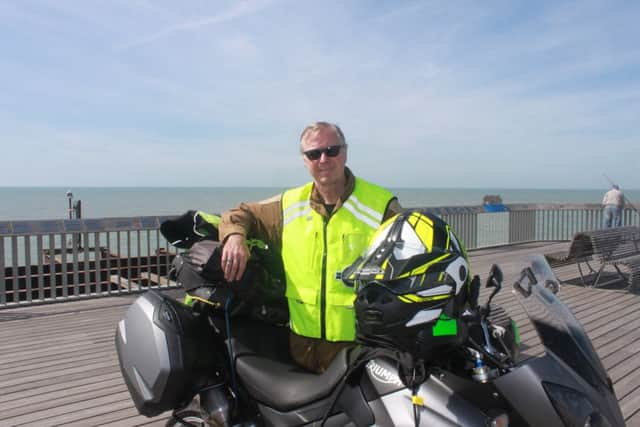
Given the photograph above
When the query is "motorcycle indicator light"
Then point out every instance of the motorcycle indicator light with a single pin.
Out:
(573, 407)
(501, 420)
(596, 420)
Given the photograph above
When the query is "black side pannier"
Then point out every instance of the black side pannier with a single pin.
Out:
(163, 350)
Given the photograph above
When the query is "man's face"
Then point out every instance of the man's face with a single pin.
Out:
(325, 170)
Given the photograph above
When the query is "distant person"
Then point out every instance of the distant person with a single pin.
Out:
(318, 229)
(613, 203)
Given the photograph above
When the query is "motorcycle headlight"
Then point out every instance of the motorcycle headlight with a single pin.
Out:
(501, 420)
(573, 407)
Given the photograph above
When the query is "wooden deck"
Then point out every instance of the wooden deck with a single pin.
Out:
(58, 364)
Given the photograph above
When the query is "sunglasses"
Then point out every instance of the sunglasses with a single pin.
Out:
(330, 151)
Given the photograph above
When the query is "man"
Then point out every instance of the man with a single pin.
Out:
(319, 229)
(613, 203)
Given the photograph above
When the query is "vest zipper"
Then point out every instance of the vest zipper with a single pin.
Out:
(323, 281)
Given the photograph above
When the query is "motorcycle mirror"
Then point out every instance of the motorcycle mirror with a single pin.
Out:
(495, 277)
(493, 281)
(552, 286)
(522, 286)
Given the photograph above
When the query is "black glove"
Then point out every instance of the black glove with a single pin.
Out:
(181, 231)
(204, 257)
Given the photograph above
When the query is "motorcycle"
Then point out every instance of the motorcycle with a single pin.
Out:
(213, 369)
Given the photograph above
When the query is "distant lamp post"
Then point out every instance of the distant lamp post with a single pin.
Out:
(70, 197)
(75, 210)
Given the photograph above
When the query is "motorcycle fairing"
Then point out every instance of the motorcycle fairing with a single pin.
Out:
(444, 406)
(567, 345)
(306, 415)
(383, 376)
(449, 400)
(559, 330)
(523, 389)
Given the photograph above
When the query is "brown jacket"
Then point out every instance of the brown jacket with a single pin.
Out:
(263, 220)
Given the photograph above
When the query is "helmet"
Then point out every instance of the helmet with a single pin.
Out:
(410, 285)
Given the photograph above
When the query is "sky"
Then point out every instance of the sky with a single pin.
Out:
(430, 94)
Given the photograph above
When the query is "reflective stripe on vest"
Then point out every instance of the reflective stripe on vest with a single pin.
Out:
(314, 249)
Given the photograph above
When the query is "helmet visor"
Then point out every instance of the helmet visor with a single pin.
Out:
(426, 285)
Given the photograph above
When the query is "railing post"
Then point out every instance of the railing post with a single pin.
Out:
(3, 279)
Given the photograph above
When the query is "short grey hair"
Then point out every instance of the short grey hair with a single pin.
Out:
(316, 126)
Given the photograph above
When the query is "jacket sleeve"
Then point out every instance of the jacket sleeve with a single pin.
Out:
(260, 220)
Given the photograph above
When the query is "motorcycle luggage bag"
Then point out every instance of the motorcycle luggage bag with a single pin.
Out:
(163, 349)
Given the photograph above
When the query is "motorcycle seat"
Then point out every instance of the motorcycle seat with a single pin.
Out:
(285, 386)
(270, 376)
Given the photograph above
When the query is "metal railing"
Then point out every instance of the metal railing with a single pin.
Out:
(59, 260)
(525, 223)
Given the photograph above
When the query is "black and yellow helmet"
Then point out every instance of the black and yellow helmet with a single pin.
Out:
(410, 284)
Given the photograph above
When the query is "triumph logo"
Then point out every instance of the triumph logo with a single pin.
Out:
(382, 374)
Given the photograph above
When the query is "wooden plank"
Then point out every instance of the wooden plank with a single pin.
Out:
(122, 417)
(618, 328)
(48, 329)
(56, 363)
(123, 282)
(48, 342)
(8, 399)
(630, 379)
(12, 380)
(74, 411)
(51, 401)
(630, 405)
(627, 386)
(141, 421)
(56, 380)
(157, 279)
(45, 342)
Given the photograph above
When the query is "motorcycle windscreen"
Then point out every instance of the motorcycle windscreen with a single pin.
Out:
(558, 329)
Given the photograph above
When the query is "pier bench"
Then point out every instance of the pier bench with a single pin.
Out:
(618, 248)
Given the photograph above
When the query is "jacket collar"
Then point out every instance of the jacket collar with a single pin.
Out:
(317, 203)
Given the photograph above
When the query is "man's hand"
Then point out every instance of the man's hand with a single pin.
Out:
(235, 254)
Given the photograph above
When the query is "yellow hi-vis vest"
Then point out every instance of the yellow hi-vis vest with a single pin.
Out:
(315, 248)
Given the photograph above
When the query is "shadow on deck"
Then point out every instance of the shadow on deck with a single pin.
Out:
(58, 364)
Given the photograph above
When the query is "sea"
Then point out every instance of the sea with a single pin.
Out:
(31, 203)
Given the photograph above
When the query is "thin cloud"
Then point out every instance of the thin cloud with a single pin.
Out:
(237, 11)
(428, 93)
